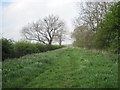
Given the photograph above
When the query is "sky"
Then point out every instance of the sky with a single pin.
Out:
(15, 14)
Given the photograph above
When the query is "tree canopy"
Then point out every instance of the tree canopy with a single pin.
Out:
(45, 30)
(104, 26)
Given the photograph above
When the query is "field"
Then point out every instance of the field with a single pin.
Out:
(63, 68)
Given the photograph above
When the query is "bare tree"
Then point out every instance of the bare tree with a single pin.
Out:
(45, 30)
(60, 36)
(82, 37)
(77, 34)
(92, 13)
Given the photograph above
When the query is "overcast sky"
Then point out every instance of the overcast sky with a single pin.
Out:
(17, 13)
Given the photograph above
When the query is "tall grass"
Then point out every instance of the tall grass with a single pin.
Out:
(64, 68)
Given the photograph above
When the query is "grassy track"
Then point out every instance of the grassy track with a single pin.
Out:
(64, 68)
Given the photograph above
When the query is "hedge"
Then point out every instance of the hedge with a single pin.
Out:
(21, 48)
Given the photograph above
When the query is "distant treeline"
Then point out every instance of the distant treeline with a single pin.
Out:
(11, 49)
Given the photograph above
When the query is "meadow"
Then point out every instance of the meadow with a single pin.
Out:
(62, 68)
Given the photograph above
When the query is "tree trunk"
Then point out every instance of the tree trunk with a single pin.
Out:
(60, 42)
(50, 42)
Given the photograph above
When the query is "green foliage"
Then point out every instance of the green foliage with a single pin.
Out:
(107, 36)
(7, 48)
(66, 68)
(84, 39)
(21, 48)
(40, 47)
(53, 47)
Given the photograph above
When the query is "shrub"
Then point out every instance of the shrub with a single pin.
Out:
(23, 47)
(41, 47)
(83, 39)
(107, 36)
(7, 48)
(53, 47)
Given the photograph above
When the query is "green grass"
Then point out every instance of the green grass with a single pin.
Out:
(65, 68)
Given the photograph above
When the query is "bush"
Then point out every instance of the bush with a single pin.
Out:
(7, 48)
(107, 36)
(40, 47)
(83, 39)
(53, 47)
(23, 47)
